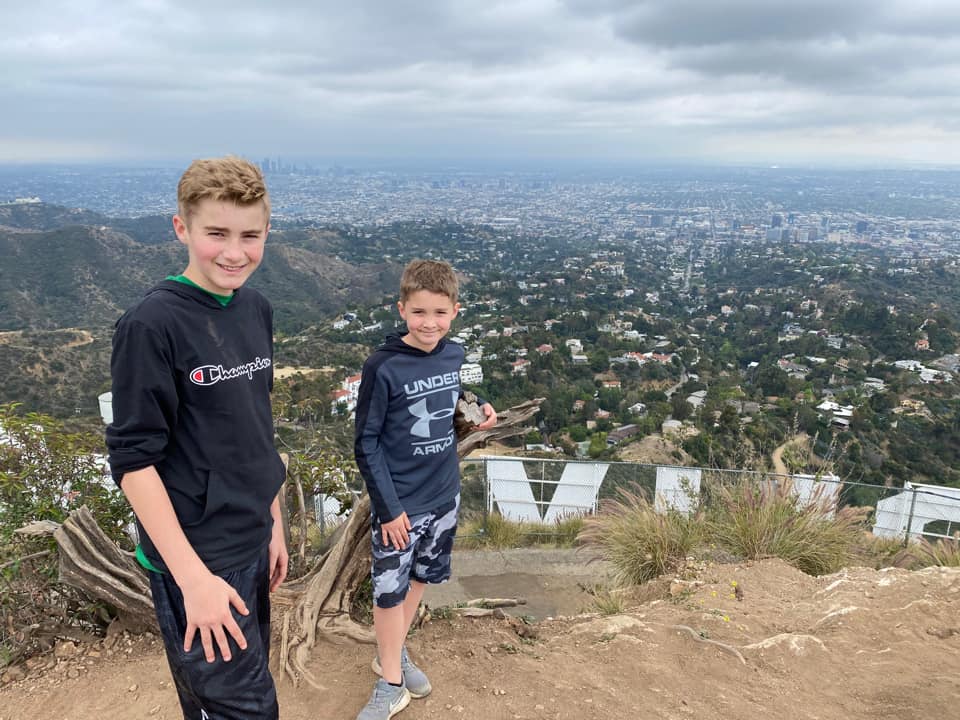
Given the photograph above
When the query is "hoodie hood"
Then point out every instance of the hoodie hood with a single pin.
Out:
(190, 292)
(394, 344)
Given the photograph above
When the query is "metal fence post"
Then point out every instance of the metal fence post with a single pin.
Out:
(323, 516)
(488, 498)
(543, 470)
(913, 503)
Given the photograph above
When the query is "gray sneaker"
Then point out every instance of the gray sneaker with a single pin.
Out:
(413, 677)
(385, 702)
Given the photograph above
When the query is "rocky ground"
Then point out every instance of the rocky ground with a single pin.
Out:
(747, 640)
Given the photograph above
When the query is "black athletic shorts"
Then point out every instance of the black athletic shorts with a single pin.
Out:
(241, 689)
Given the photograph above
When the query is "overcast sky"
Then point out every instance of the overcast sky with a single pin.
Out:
(742, 81)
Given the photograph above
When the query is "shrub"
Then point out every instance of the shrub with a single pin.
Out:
(943, 553)
(500, 533)
(758, 520)
(640, 543)
(45, 474)
(881, 552)
(606, 601)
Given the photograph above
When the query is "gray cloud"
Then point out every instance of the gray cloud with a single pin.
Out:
(528, 77)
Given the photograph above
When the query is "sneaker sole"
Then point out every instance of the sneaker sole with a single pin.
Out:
(375, 666)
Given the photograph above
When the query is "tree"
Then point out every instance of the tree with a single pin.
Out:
(680, 408)
(599, 360)
(772, 380)
(598, 445)
(578, 433)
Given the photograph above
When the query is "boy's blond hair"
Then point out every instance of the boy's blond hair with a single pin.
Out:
(224, 179)
(432, 275)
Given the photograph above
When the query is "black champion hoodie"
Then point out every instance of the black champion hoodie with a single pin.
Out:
(191, 396)
(405, 445)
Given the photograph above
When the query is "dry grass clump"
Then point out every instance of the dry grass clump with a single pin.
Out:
(943, 553)
(759, 520)
(501, 533)
(606, 601)
(639, 542)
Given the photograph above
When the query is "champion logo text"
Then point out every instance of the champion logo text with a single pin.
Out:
(212, 374)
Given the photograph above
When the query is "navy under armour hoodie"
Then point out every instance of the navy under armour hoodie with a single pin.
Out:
(405, 444)
(191, 396)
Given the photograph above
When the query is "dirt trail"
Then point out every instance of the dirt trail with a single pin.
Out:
(861, 644)
(776, 457)
(85, 337)
(82, 337)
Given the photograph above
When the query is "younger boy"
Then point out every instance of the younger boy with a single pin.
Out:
(191, 446)
(406, 450)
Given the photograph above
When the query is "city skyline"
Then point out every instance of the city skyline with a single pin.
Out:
(813, 83)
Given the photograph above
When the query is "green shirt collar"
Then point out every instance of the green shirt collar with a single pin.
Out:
(222, 299)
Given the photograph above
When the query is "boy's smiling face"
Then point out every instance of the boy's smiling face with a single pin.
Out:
(225, 241)
(428, 316)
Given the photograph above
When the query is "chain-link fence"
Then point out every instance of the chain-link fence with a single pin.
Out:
(543, 491)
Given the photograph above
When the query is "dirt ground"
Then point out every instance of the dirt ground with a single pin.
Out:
(656, 450)
(749, 640)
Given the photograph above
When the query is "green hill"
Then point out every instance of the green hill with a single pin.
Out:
(86, 275)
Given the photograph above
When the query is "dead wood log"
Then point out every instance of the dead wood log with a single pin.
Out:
(92, 562)
(495, 602)
(326, 594)
(477, 612)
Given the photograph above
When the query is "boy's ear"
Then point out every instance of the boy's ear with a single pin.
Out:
(456, 309)
(400, 309)
(180, 228)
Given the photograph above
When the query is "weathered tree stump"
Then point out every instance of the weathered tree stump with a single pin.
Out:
(92, 562)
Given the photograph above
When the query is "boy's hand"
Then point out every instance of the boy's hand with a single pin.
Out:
(395, 532)
(491, 417)
(207, 604)
(279, 557)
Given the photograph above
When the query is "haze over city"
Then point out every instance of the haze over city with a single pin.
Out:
(748, 81)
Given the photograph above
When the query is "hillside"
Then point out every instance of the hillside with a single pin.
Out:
(55, 371)
(861, 644)
(42, 216)
(77, 276)
(68, 268)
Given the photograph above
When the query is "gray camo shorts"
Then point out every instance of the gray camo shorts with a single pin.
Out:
(426, 558)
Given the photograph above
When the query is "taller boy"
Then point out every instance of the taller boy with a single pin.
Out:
(406, 450)
(191, 445)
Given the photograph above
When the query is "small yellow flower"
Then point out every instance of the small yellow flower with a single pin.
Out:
(733, 583)
(713, 593)
(726, 619)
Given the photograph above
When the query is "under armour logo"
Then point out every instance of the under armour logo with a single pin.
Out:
(421, 428)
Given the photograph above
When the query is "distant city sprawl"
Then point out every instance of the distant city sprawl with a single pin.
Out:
(768, 318)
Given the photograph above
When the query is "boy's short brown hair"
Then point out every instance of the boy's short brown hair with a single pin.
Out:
(224, 179)
(432, 275)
